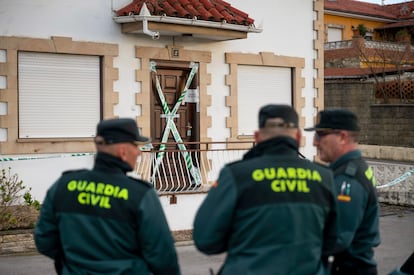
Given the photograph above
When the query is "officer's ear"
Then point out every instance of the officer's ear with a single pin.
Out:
(298, 136)
(121, 151)
(257, 136)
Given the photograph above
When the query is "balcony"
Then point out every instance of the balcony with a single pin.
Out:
(335, 45)
(189, 171)
(383, 45)
(195, 170)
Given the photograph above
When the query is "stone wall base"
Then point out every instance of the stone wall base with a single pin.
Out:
(16, 241)
(396, 197)
(21, 241)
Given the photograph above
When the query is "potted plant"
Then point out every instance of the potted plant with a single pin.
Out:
(402, 35)
(362, 29)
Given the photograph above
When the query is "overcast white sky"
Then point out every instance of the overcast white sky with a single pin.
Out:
(385, 1)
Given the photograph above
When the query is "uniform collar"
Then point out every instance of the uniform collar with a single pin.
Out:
(355, 154)
(110, 163)
(274, 146)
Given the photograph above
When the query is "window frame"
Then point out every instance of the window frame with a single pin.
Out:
(296, 64)
(269, 84)
(48, 81)
(12, 45)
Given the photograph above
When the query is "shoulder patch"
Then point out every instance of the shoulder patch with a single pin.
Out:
(345, 192)
(351, 169)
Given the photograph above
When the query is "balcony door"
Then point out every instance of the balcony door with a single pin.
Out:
(173, 172)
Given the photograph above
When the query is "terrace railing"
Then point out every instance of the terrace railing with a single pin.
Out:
(192, 170)
(380, 45)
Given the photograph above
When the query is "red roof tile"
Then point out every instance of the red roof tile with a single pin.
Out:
(357, 7)
(402, 10)
(208, 10)
(400, 24)
(392, 11)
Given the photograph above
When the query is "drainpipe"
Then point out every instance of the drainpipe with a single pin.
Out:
(154, 35)
(144, 12)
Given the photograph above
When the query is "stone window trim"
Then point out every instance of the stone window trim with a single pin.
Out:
(336, 26)
(262, 59)
(9, 95)
(270, 59)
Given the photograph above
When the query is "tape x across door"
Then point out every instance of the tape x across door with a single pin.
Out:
(171, 127)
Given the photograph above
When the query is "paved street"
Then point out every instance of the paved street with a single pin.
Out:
(191, 261)
(397, 229)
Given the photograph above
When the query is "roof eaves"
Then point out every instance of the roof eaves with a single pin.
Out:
(185, 21)
(361, 15)
(207, 10)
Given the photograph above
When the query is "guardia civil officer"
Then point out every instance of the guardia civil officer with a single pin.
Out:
(336, 140)
(101, 221)
(272, 212)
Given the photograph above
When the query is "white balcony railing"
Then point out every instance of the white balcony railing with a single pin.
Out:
(193, 170)
(198, 167)
(383, 45)
(335, 45)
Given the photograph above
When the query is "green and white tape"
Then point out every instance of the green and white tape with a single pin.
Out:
(10, 158)
(398, 180)
(195, 173)
(170, 125)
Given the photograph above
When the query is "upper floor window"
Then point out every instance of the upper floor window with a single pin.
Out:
(335, 34)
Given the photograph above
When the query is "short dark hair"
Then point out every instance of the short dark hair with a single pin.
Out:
(287, 115)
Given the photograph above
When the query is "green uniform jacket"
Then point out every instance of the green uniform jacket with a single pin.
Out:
(273, 213)
(100, 221)
(358, 210)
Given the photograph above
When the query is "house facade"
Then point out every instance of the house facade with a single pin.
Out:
(371, 74)
(342, 17)
(66, 65)
(391, 22)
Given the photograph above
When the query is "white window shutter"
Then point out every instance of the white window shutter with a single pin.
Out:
(258, 86)
(59, 95)
(334, 34)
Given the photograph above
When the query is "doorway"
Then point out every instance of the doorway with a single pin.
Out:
(176, 145)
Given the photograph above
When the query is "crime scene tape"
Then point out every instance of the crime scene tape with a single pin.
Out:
(397, 180)
(171, 127)
(5, 159)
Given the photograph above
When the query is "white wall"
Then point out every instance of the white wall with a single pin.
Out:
(180, 216)
(287, 30)
(40, 171)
